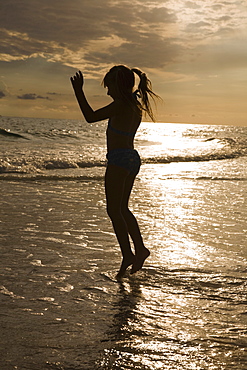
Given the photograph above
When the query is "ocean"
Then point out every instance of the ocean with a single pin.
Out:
(61, 306)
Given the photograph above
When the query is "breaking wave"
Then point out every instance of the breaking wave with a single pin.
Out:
(31, 165)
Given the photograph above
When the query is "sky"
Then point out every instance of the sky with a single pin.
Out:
(194, 52)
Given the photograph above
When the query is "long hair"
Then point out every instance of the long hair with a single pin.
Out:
(124, 80)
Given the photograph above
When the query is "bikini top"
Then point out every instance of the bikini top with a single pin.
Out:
(120, 132)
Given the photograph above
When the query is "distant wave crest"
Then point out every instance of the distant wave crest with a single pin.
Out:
(39, 165)
(36, 164)
(194, 158)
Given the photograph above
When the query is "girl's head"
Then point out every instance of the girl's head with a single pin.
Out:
(120, 81)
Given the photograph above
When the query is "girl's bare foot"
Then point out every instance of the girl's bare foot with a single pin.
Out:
(126, 262)
(139, 260)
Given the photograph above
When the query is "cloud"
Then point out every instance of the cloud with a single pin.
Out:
(42, 42)
(32, 96)
(224, 18)
(68, 32)
(157, 15)
(192, 5)
(65, 23)
(195, 27)
(95, 34)
(53, 93)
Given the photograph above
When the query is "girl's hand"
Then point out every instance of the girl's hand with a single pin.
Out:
(77, 81)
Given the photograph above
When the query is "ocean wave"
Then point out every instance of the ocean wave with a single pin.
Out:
(32, 165)
(45, 178)
(43, 132)
(36, 165)
(195, 158)
(224, 140)
(68, 177)
(12, 135)
(215, 178)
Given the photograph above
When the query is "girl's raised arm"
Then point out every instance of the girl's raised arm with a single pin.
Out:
(90, 115)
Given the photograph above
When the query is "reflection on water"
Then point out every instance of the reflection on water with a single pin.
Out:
(187, 308)
(63, 308)
(177, 320)
(193, 221)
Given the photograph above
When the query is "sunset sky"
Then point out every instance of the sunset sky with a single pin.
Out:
(195, 53)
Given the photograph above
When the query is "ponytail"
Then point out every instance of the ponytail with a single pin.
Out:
(145, 91)
(124, 79)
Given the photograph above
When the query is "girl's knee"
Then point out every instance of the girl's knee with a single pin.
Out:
(113, 211)
(127, 214)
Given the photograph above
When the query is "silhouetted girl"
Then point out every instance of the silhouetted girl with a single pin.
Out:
(124, 114)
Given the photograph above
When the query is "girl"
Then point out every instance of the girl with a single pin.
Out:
(124, 114)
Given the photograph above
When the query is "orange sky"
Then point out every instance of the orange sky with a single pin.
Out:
(193, 51)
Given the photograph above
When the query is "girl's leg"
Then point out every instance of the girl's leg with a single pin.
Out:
(115, 178)
(141, 251)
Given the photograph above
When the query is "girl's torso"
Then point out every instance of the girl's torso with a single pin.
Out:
(122, 127)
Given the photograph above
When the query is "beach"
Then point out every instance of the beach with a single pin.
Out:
(61, 305)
